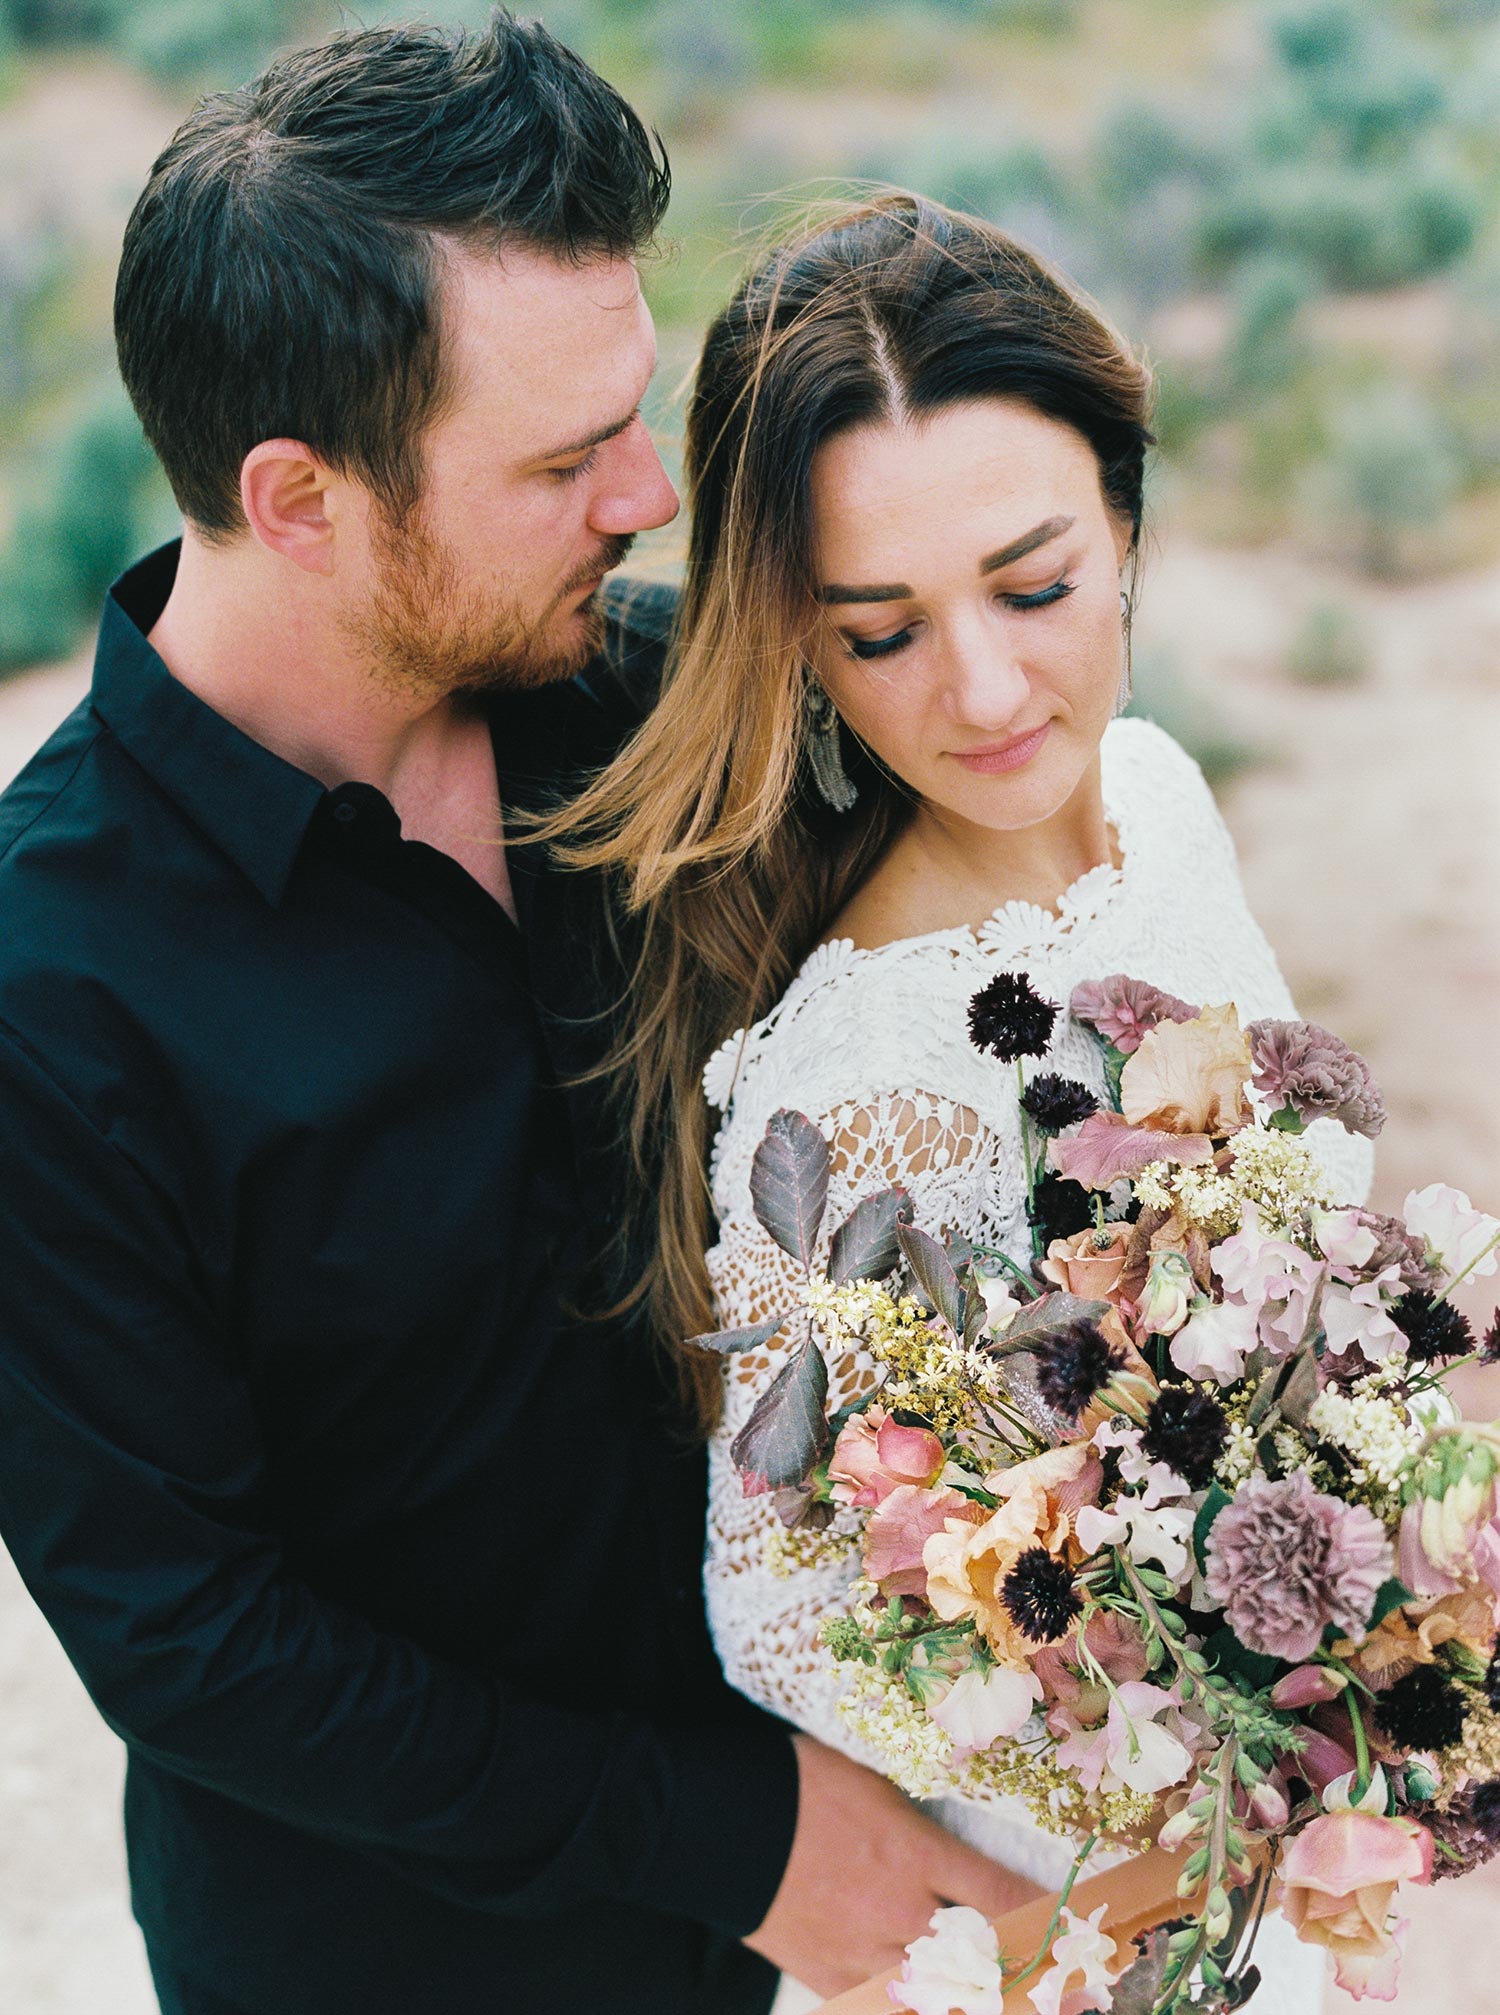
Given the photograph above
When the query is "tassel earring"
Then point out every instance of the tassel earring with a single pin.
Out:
(825, 753)
(1127, 683)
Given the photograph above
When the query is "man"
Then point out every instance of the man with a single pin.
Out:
(380, 1558)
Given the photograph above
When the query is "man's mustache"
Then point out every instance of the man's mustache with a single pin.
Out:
(604, 561)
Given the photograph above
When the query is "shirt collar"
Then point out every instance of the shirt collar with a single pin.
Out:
(252, 804)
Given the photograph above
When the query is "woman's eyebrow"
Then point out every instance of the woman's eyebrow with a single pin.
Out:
(898, 591)
(1039, 535)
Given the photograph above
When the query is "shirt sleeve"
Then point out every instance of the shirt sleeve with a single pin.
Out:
(135, 1501)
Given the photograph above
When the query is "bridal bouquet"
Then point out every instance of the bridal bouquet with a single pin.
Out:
(1176, 1534)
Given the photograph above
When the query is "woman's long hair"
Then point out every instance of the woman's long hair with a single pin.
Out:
(706, 817)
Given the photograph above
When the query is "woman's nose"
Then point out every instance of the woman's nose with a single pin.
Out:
(987, 684)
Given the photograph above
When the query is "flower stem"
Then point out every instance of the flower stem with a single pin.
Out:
(1062, 1903)
(1036, 1236)
(1482, 1254)
(1361, 1747)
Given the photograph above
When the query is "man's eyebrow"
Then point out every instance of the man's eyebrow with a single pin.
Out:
(898, 591)
(594, 440)
(1039, 535)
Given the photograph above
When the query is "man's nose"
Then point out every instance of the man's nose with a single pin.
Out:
(638, 495)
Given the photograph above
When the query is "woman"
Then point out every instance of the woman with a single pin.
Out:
(889, 764)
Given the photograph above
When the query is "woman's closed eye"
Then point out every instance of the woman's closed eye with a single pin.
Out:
(882, 647)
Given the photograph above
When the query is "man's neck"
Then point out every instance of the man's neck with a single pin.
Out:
(271, 656)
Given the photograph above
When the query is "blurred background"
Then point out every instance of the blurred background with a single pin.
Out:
(1293, 209)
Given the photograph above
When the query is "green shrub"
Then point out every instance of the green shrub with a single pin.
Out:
(92, 500)
(1328, 648)
(1163, 695)
(1390, 468)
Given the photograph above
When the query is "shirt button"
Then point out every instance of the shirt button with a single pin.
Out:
(345, 813)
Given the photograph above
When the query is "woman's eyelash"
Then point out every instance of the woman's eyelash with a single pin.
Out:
(882, 647)
(574, 470)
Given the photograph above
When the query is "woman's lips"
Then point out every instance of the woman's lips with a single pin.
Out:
(1000, 756)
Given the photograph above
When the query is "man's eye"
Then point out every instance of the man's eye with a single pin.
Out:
(877, 647)
(1042, 599)
(571, 471)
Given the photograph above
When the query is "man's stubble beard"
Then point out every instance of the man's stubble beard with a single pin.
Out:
(424, 633)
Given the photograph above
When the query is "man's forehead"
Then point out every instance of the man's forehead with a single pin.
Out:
(561, 342)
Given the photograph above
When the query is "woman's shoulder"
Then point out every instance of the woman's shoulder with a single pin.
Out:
(848, 1015)
(1155, 789)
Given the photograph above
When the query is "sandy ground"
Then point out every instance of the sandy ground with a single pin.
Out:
(1370, 846)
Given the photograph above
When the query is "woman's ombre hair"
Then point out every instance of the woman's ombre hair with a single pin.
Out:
(893, 310)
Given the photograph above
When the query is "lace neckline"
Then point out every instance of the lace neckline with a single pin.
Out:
(1018, 925)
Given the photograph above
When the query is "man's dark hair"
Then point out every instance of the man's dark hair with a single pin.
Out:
(280, 274)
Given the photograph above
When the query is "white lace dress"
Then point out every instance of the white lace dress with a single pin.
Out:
(873, 1047)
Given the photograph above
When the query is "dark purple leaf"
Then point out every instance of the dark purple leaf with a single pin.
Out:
(789, 1183)
(727, 1340)
(1036, 1320)
(934, 1274)
(1137, 1989)
(787, 1432)
(864, 1246)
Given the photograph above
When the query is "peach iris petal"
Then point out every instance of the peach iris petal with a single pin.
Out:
(1189, 1077)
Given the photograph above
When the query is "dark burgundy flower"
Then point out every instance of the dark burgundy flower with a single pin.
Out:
(1489, 1349)
(1425, 1710)
(1052, 1102)
(1073, 1365)
(1059, 1207)
(1040, 1596)
(1010, 1019)
(1433, 1329)
(1187, 1430)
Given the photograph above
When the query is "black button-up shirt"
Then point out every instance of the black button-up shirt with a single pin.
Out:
(383, 1562)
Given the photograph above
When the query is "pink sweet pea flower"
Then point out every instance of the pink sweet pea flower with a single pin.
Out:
(981, 1708)
(1338, 1877)
(901, 1525)
(874, 1454)
(1079, 1978)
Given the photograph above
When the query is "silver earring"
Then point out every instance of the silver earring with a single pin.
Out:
(824, 753)
(1127, 683)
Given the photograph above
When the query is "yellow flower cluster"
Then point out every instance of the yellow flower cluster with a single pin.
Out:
(1280, 1175)
(1200, 1196)
(914, 1752)
(788, 1553)
(1238, 1458)
(1275, 1171)
(1377, 1434)
(930, 1373)
(1477, 1750)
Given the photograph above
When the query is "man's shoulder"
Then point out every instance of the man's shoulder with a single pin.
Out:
(46, 780)
(626, 674)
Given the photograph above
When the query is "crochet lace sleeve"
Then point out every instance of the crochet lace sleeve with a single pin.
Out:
(765, 1618)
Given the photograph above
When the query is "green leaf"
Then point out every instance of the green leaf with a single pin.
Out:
(781, 1441)
(865, 1245)
(1208, 1511)
(727, 1340)
(1389, 1596)
(1251, 1669)
(789, 1183)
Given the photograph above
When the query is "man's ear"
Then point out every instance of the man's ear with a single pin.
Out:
(284, 495)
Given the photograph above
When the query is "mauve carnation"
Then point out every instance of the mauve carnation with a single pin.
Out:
(1284, 1562)
(1316, 1073)
(1123, 1010)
